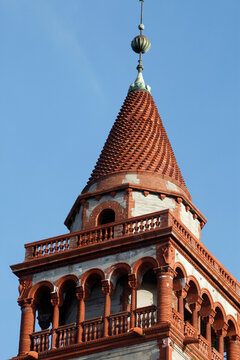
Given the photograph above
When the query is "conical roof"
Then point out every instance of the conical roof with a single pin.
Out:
(138, 142)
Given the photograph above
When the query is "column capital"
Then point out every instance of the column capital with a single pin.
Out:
(197, 304)
(223, 330)
(80, 293)
(183, 292)
(132, 281)
(210, 317)
(27, 303)
(54, 299)
(107, 287)
(165, 270)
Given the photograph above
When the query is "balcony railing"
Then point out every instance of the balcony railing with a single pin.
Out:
(41, 340)
(137, 225)
(66, 335)
(216, 355)
(118, 324)
(146, 317)
(93, 329)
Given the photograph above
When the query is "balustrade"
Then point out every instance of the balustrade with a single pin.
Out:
(66, 335)
(189, 330)
(137, 225)
(119, 323)
(146, 316)
(177, 320)
(203, 345)
(41, 340)
(93, 329)
(215, 355)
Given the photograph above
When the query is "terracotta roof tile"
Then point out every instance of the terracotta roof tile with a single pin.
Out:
(138, 141)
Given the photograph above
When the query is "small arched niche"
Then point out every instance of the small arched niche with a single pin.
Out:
(105, 217)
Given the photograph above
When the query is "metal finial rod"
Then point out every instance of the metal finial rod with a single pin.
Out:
(141, 20)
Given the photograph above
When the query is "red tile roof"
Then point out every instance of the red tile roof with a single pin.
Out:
(138, 142)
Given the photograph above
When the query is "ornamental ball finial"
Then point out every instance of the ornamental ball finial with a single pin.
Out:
(140, 44)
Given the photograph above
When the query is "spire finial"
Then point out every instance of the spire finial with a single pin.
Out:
(140, 45)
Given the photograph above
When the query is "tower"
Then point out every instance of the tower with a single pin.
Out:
(132, 277)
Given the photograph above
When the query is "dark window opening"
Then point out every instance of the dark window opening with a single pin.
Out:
(203, 328)
(44, 309)
(106, 216)
(214, 339)
(68, 311)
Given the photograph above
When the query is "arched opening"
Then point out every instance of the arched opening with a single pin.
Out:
(120, 299)
(68, 310)
(147, 293)
(44, 309)
(216, 327)
(106, 216)
(94, 304)
(189, 302)
(179, 283)
(204, 312)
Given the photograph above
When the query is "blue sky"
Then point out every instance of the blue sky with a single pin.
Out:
(65, 68)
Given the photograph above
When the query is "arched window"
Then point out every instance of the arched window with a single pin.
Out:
(44, 309)
(94, 304)
(120, 299)
(68, 310)
(106, 216)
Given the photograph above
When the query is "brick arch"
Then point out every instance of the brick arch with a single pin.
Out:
(179, 283)
(116, 271)
(206, 308)
(218, 321)
(61, 285)
(181, 267)
(42, 284)
(141, 266)
(89, 278)
(232, 331)
(109, 204)
(192, 295)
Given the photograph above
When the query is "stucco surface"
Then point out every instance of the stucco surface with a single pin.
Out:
(172, 186)
(145, 351)
(92, 203)
(77, 223)
(151, 203)
(178, 354)
(131, 178)
(102, 263)
(192, 224)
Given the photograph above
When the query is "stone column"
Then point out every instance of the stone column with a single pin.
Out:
(181, 295)
(164, 276)
(80, 312)
(222, 333)
(55, 322)
(195, 308)
(209, 320)
(28, 308)
(106, 288)
(132, 281)
(233, 348)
